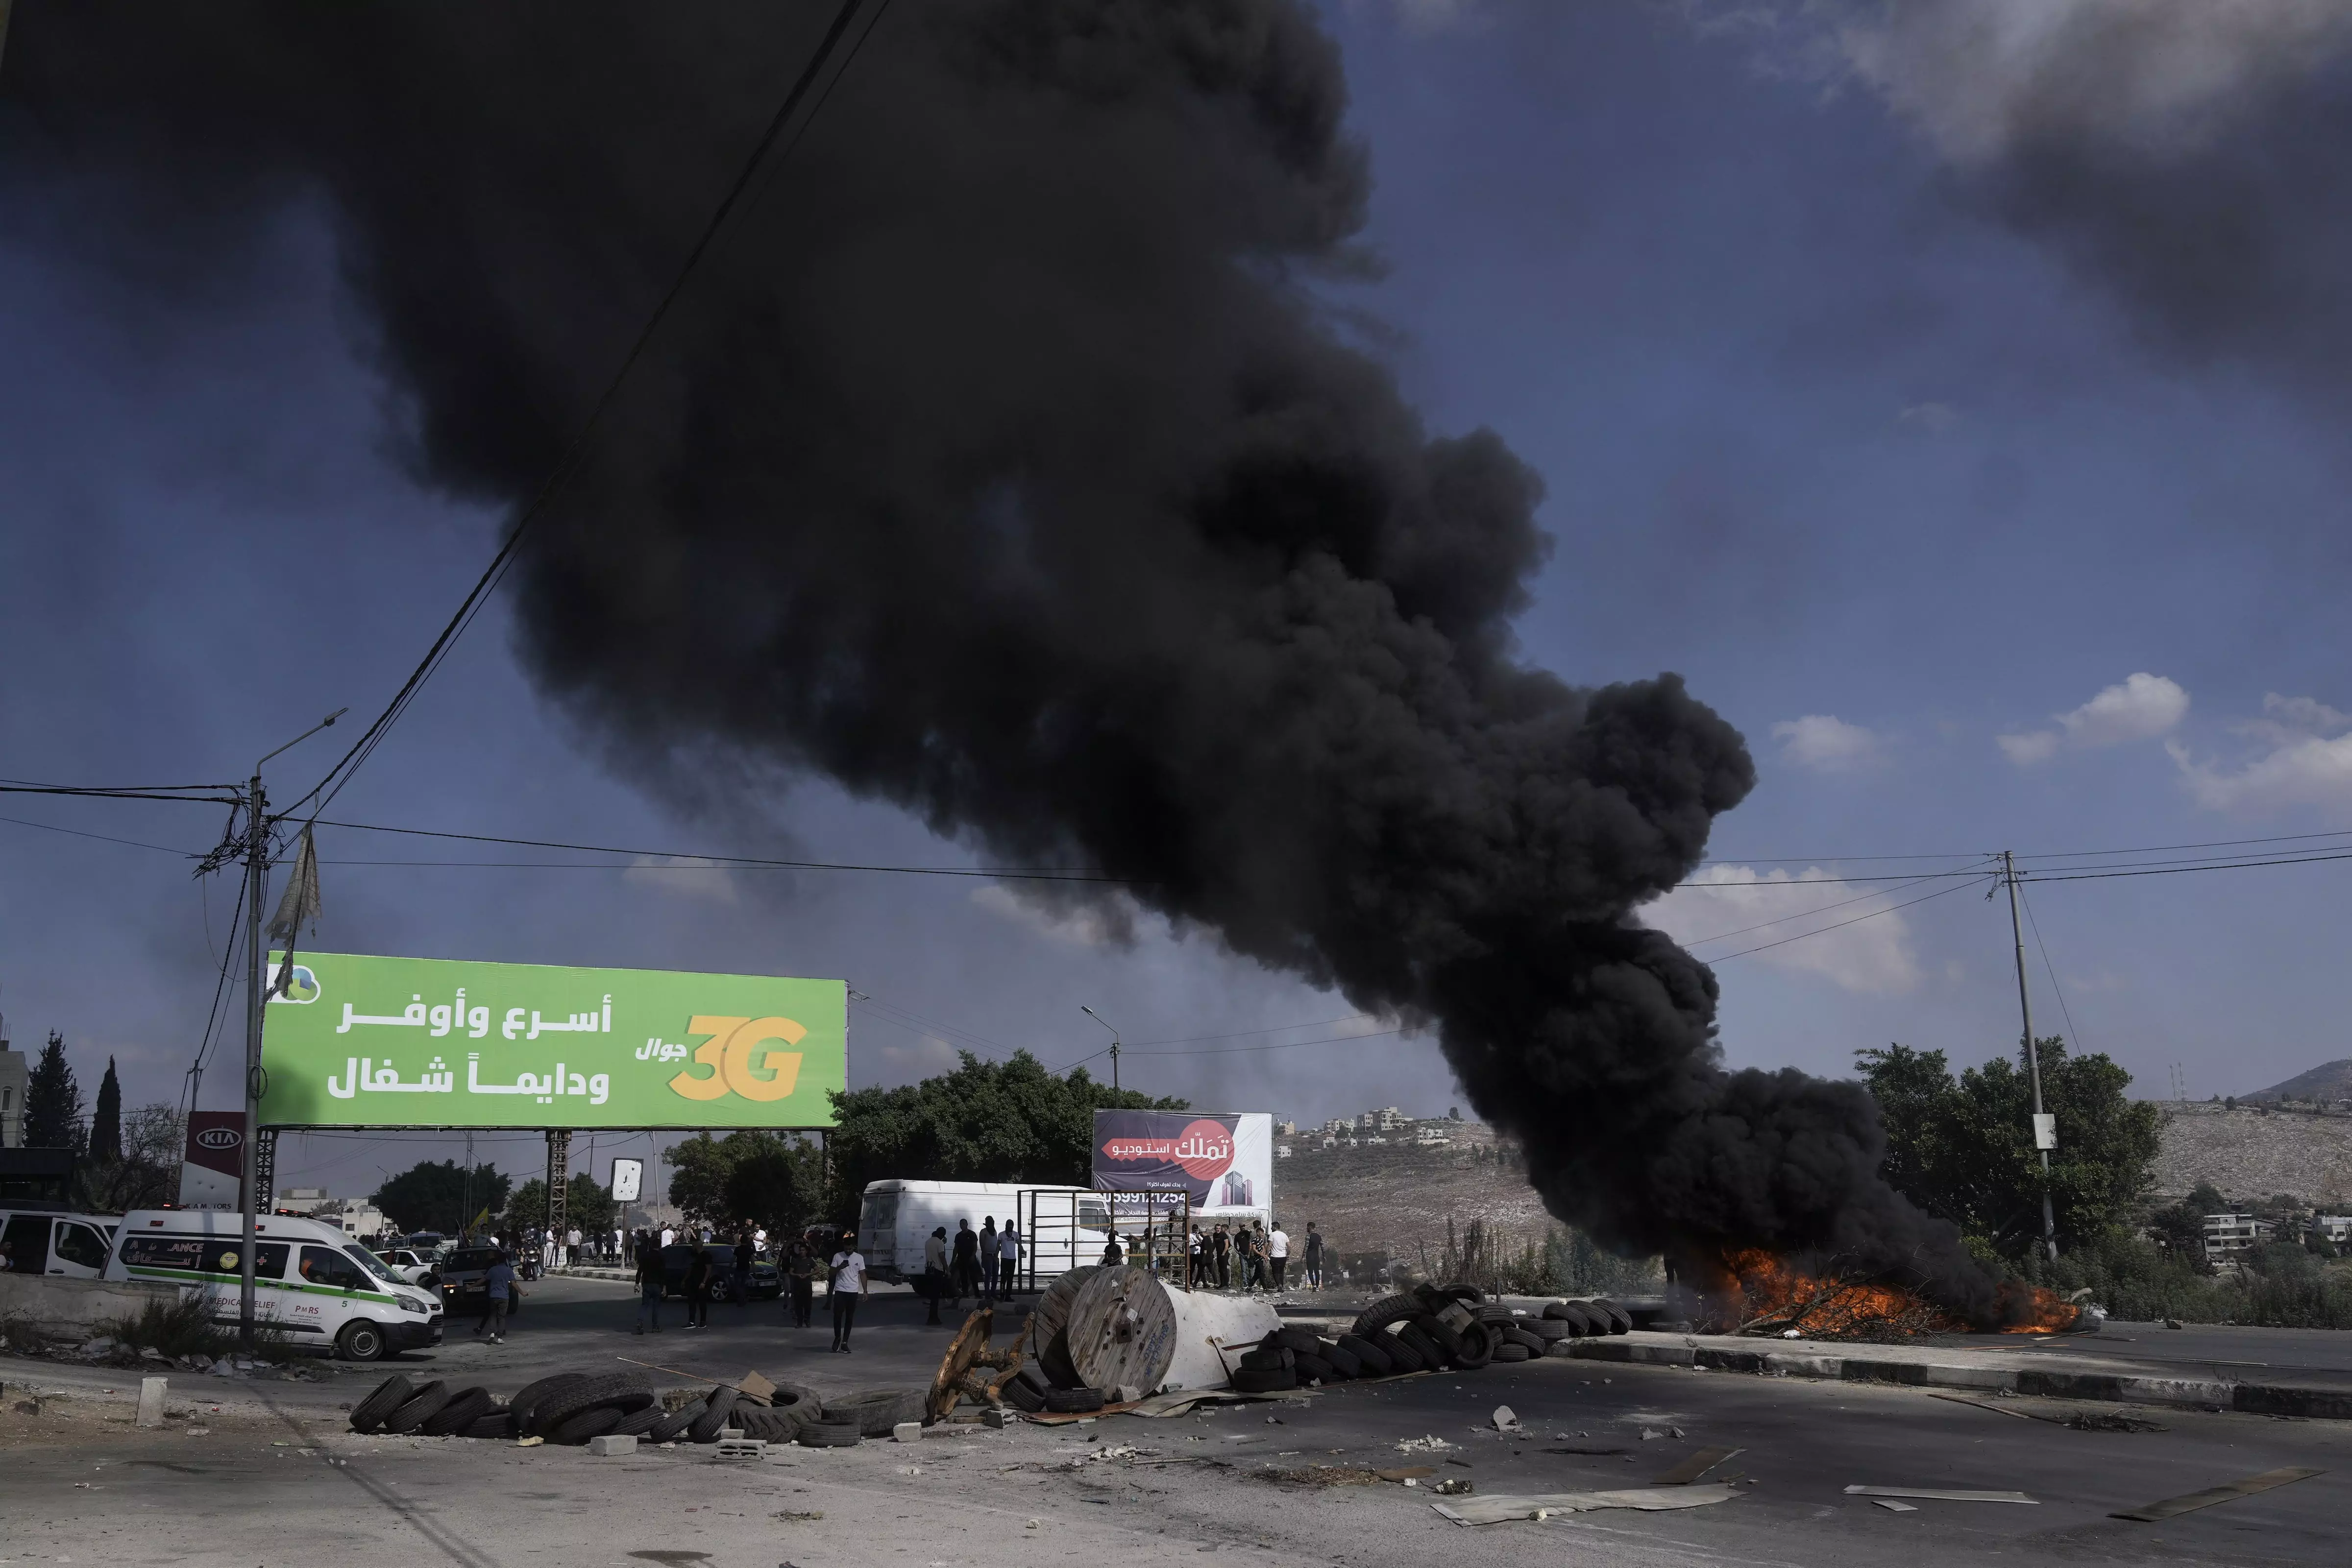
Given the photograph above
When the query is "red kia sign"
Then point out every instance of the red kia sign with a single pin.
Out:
(216, 1141)
(1223, 1160)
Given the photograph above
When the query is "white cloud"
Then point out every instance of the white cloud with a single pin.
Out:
(2140, 707)
(2309, 763)
(1827, 744)
(1980, 77)
(1743, 908)
(1091, 924)
(684, 876)
(1934, 418)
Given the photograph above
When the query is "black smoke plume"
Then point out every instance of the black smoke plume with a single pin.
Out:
(1005, 468)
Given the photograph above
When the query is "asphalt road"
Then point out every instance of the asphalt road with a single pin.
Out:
(965, 1502)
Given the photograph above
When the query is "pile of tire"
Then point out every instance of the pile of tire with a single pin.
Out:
(1296, 1358)
(1437, 1327)
(1033, 1389)
(571, 1408)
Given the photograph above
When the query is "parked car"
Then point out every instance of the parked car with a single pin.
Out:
(464, 1271)
(414, 1267)
(767, 1282)
(322, 1289)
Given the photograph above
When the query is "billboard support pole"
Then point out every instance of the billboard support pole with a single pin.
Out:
(559, 1186)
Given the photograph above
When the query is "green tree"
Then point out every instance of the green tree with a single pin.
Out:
(106, 1121)
(586, 1204)
(986, 1120)
(1964, 1148)
(702, 1183)
(154, 1138)
(440, 1196)
(53, 1101)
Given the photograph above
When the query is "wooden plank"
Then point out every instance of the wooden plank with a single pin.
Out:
(1942, 1494)
(1499, 1509)
(2149, 1514)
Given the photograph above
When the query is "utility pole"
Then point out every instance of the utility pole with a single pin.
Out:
(256, 873)
(256, 881)
(1114, 1042)
(2045, 1129)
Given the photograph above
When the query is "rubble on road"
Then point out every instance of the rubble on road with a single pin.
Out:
(1500, 1509)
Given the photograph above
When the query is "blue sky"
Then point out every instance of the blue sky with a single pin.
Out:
(1890, 480)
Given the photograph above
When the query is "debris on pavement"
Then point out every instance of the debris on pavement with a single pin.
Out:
(1453, 1486)
(1697, 1465)
(1181, 1401)
(1430, 1444)
(2149, 1514)
(1941, 1494)
(1506, 1419)
(1891, 1506)
(1499, 1509)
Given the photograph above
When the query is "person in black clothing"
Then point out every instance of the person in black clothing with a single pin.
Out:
(743, 1268)
(799, 1267)
(1314, 1257)
(698, 1287)
(1112, 1257)
(1220, 1257)
(966, 1267)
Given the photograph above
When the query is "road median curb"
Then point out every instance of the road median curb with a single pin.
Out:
(2053, 1382)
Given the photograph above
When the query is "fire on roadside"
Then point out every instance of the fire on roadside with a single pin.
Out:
(1775, 1297)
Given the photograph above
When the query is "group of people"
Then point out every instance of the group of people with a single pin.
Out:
(1252, 1257)
(845, 1277)
(981, 1263)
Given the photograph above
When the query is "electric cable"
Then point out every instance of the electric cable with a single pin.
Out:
(1841, 925)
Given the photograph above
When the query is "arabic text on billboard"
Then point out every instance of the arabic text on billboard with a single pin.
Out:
(411, 1042)
(1225, 1161)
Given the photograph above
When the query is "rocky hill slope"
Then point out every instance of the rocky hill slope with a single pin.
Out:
(2255, 1150)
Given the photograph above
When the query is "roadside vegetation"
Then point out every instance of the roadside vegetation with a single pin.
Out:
(1960, 1146)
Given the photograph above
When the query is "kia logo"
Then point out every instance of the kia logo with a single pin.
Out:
(220, 1137)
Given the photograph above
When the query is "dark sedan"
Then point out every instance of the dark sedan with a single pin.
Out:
(463, 1271)
(767, 1282)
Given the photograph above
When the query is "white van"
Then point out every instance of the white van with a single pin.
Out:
(312, 1281)
(897, 1216)
(67, 1246)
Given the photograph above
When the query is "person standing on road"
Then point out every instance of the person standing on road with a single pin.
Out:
(1220, 1257)
(1314, 1257)
(1008, 1255)
(649, 1283)
(743, 1250)
(1278, 1254)
(700, 1277)
(935, 1270)
(966, 1267)
(988, 1259)
(800, 1266)
(1197, 1252)
(498, 1279)
(848, 1289)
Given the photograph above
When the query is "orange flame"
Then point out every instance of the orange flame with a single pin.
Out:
(1776, 1296)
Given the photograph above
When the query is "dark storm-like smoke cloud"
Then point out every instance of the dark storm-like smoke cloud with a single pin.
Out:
(1004, 469)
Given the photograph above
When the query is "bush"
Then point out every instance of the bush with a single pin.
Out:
(2281, 1287)
(174, 1329)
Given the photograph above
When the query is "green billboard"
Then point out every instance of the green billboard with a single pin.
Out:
(428, 1043)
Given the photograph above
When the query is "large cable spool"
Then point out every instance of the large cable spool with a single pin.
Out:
(1127, 1327)
(1048, 1321)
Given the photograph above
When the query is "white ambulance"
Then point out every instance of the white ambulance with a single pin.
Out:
(313, 1282)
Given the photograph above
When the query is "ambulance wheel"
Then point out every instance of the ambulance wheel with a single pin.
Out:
(360, 1342)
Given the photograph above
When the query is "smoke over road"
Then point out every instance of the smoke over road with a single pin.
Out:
(1003, 466)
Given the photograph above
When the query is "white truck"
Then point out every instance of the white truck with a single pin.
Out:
(1061, 1226)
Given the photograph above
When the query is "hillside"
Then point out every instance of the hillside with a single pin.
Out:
(2255, 1150)
(1395, 1197)
(2329, 1083)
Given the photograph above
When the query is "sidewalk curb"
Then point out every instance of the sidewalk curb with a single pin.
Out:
(2185, 1393)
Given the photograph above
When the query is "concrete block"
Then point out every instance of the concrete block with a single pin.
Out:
(150, 1400)
(608, 1445)
(906, 1432)
(997, 1418)
(752, 1448)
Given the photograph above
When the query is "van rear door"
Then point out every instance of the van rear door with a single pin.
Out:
(28, 1243)
(76, 1251)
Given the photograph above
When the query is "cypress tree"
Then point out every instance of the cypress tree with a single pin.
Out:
(52, 1100)
(106, 1121)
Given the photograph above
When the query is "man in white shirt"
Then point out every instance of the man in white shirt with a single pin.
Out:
(669, 1236)
(1008, 1253)
(848, 1289)
(1278, 1254)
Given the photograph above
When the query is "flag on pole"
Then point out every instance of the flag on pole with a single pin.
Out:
(297, 907)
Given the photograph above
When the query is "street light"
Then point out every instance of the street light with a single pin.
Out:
(1114, 1040)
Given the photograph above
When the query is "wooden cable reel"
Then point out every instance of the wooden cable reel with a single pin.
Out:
(1121, 1331)
(1048, 1321)
(963, 1370)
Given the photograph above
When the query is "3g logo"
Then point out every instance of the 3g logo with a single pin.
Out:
(743, 1059)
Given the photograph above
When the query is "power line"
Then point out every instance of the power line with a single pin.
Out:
(1785, 919)
(576, 452)
(2056, 990)
(2183, 870)
(102, 838)
(1841, 925)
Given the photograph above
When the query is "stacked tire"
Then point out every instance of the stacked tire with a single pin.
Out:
(571, 1408)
